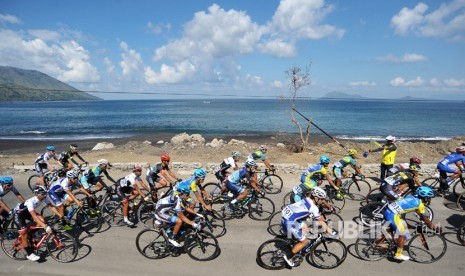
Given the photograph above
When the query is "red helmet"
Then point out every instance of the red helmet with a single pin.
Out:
(415, 160)
(165, 157)
(137, 167)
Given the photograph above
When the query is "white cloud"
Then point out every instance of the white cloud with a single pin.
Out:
(277, 84)
(399, 81)
(157, 28)
(362, 83)
(434, 82)
(8, 18)
(46, 35)
(448, 20)
(131, 61)
(406, 58)
(109, 65)
(170, 74)
(454, 82)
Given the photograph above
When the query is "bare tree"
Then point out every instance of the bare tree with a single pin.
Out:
(298, 79)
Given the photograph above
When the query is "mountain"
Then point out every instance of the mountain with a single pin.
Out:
(29, 85)
(341, 95)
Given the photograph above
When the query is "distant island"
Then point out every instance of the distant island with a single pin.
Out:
(344, 96)
(18, 84)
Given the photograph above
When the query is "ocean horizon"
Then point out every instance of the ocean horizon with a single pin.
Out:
(360, 119)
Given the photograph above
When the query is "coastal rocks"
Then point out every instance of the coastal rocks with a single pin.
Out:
(103, 145)
(280, 145)
(237, 142)
(191, 141)
(215, 143)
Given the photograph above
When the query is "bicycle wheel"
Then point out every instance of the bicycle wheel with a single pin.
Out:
(274, 224)
(412, 218)
(11, 245)
(459, 187)
(374, 195)
(367, 249)
(201, 246)
(89, 221)
(145, 213)
(286, 199)
(338, 203)
(327, 253)
(215, 224)
(270, 254)
(461, 202)
(272, 183)
(427, 247)
(261, 208)
(33, 181)
(334, 221)
(62, 247)
(461, 234)
(372, 214)
(214, 190)
(432, 182)
(358, 190)
(50, 218)
(112, 213)
(152, 244)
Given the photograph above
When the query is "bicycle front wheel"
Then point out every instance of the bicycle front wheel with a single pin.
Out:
(412, 218)
(11, 245)
(374, 195)
(274, 224)
(215, 224)
(202, 246)
(368, 249)
(427, 247)
(338, 203)
(33, 181)
(328, 253)
(62, 247)
(461, 202)
(461, 234)
(459, 187)
(286, 199)
(270, 254)
(152, 244)
(262, 208)
(272, 183)
(145, 213)
(89, 221)
(432, 182)
(112, 213)
(358, 190)
(372, 214)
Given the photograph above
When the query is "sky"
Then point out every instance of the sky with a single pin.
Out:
(150, 49)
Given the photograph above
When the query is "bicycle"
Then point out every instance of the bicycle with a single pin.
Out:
(337, 202)
(271, 183)
(200, 245)
(258, 208)
(322, 252)
(461, 202)
(355, 188)
(333, 220)
(424, 246)
(458, 185)
(461, 234)
(8, 223)
(61, 246)
(49, 177)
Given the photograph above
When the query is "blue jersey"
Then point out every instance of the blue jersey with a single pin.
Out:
(451, 159)
(236, 176)
(4, 191)
(345, 161)
(407, 204)
(300, 210)
(189, 183)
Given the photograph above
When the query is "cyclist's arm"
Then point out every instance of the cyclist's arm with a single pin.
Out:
(324, 225)
(37, 219)
(84, 190)
(145, 186)
(200, 199)
(183, 217)
(424, 217)
(20, 197)
(71, 195)
(357, 169)
(109, 177)
(267, 164)
(330, 181)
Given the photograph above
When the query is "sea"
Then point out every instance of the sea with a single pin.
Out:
(343, 119)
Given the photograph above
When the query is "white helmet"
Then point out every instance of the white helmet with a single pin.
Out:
(318, 192)
(102, 162)
(71, 174)
(236, 154)
(391, 138)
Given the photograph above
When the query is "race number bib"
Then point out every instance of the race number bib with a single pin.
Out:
(297, 190)
(395, 207)
(391, 181)
(287, 213)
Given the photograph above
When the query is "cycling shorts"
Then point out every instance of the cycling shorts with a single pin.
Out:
(395, 221)
(39, 167)
(21, 218)
(294, 228)
(234, 188)
(446, 169)
(338, 172)
(57, 197)
(166, 218)
(123, 192)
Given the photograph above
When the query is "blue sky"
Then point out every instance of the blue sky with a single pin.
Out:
(377, 49)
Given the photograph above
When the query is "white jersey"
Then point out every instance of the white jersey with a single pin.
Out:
(299, 210)
(129, 180)
(30, 204)
(60, 185)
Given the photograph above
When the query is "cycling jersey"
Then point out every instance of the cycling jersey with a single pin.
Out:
(227, 163)
(299, 191)
(443, 165)
(339, 166)
(153, 175)
(40, 163)
(23, 210)
(189, 183)
(391, 182)
(234, 180)
(4, 191)
(90, 176)
(66, 156)
(394, 211)
(293, 214)
(167, 208)
(312, 172)
(58, 189)
(256, 155)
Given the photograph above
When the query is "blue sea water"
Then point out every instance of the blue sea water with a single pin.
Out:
(351, 119)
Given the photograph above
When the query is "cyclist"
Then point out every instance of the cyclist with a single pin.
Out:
(293, 216)
(233, 182)
(320, 168)
(195, 185)
(228, 163)
(171, 210)
(407, 204)
(26, 211)
(67, 156)
(260, 154)
(161, 173)
(338, 167)
(92, 177)
(128, 189)
(400, 181)
(60, 190)
(299, 191)
(403, 166)
(457, 158)
(389, 150)
(6, 186)
(43, 163)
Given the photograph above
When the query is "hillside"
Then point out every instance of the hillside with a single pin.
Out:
(341, 95)
(29, 85)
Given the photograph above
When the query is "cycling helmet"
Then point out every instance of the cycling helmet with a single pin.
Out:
(137, 167)
(102, 162)
(236, 154)
(460, 149)
(318, 192)
(424, 192)
(263, 147)
(391, 138)
(165, 157)
(352, 152)
(71, 174)
(415, 160)
(73, 146)
(40, 190)
(50, 148)
(8, 180)
(200, 173)
(324, 159)
(414, 168)
(250, 163)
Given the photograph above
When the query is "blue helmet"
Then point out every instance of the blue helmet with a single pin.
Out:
(324, 159)
(184, 190)
(6, 180)
(200, 173)
(52, 148)
(424, 192)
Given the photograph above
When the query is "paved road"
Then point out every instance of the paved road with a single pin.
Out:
(113, 251)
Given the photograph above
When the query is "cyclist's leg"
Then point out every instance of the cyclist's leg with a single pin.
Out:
(338, 177)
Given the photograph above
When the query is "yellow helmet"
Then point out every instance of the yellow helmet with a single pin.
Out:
(352, 152)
